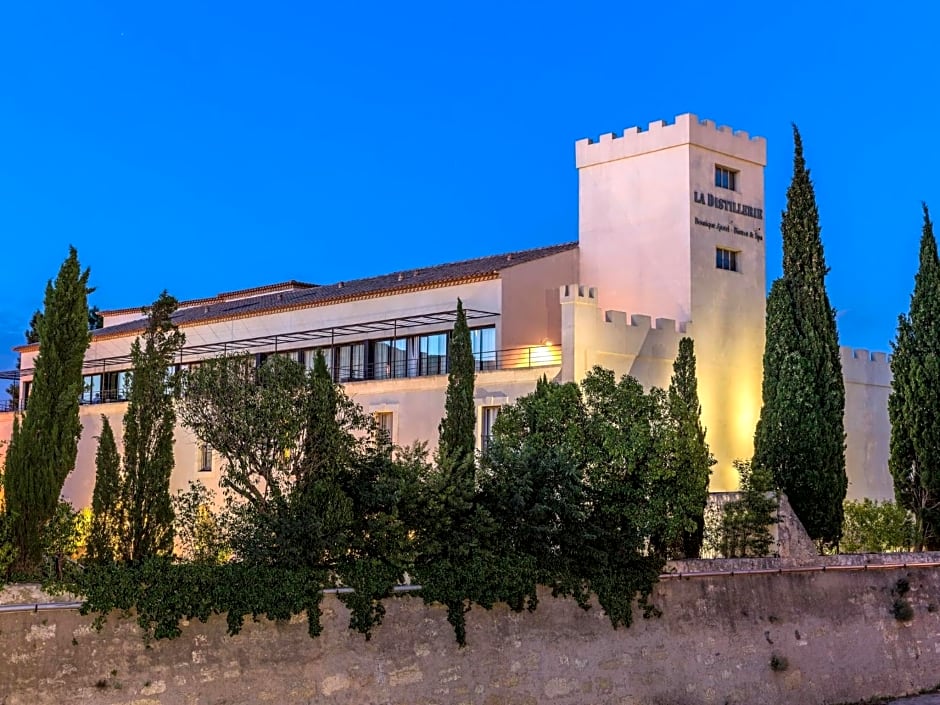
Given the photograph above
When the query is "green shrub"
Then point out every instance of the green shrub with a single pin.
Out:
(876, 527)
(743, 526)
(6, 545)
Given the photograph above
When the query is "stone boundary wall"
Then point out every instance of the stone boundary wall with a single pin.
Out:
(714, 643)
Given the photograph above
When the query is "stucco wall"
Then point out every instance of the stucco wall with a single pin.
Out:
(867, 430)
(530, 309)
(417, 404)
(713, 644)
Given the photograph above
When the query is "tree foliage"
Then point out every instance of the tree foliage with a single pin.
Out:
(457, 438)
(310, 483)
(914, 403)
(687, 458)
(744, 525)
(149, 424)
(197, 527)
(254, 418)
(877, 527)
(107, 523)
(800, 437)
(451, 558)
(572, 480)
(44, 444)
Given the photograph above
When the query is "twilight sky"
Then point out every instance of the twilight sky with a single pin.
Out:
(208, 147)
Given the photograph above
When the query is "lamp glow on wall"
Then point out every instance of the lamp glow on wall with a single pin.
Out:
(544, 354)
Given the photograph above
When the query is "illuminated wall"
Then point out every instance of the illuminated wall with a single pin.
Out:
(653, 215)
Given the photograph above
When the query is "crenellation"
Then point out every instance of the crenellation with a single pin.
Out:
(617, 318)
(641, 321)
(666, 324)
(863, 355)
(575, 292)
(685, 129)
(860, 366)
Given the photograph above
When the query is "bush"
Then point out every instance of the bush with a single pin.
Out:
(876, 527)
(67, 532)
(6, 544)
(742, 528)
(198, 530)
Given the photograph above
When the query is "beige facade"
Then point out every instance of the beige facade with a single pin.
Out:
(670, 243)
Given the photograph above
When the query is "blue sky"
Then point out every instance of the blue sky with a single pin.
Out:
(203, 148)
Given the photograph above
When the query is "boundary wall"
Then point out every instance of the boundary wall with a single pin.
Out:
(831, 633)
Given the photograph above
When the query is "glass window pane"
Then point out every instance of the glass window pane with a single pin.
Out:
(381, 359)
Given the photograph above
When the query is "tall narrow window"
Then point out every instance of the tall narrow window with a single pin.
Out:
(487, 419)
(433, 354)
(389, 358)
(351, 362)
(726, 178)
(483, 344)
(385, 420)
(726, 259)
(311, 359)
(205, 457)
(91, 392)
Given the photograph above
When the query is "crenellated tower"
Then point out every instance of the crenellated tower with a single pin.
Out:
(672, 225)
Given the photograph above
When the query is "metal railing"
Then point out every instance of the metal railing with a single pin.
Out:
(432, 365)
(522, 358)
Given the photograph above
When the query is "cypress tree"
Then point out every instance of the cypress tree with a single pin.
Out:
(327, 446)
(689, 454)
(914, 403)
(44, 445)
(457, 432)
(106, 499)
(148, 436)
(800, 437)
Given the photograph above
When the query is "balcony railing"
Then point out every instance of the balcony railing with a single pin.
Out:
(424, 366)
(432, 365)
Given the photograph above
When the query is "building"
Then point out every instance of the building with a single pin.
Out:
(670, 243)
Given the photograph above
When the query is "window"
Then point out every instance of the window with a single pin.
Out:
(385, 421)
(483, 344)
(351, 362)
(726, 178)
(205, 457)
(726, 259)
(487, 419)
(310, 359)
(389, 358)
(105, 387)
(91, 391)
(433, 354)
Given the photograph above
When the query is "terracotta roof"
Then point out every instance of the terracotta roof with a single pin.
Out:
(307, 296)
(227, 295)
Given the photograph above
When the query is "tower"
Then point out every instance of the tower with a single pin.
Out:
(672, 224)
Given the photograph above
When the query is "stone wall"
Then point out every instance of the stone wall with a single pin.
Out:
(713, 644)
